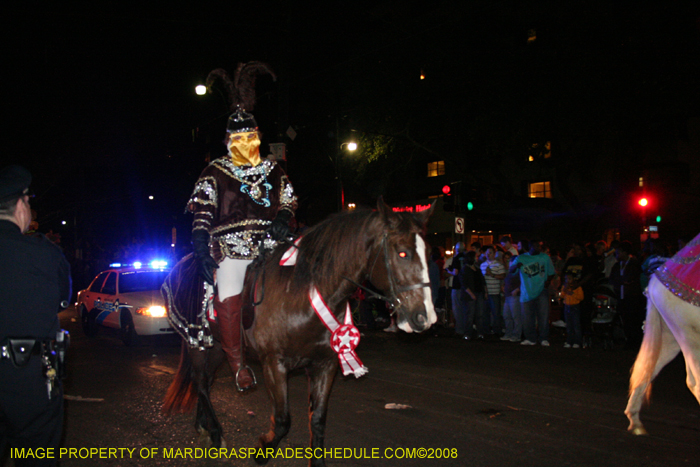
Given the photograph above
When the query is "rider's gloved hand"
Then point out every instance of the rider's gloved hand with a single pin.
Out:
(279, 230)
(207, 264)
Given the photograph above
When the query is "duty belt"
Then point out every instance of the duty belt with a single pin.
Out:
(19, 350)
(51, 351)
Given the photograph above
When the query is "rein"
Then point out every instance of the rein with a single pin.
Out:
(260, 260)
(393, 300)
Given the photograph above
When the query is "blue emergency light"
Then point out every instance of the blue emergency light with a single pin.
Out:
(158, 264)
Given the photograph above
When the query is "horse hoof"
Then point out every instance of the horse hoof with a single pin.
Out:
(204, 438)
(639, 431)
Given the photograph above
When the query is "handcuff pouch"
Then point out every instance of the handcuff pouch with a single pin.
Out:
(21, 350)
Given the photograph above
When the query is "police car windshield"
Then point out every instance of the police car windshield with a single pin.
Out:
(141, 281)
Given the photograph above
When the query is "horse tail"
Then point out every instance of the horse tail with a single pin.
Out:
(182, 394)
(644, 365)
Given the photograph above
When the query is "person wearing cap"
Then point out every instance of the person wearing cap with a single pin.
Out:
(34, 286)
(241, 205)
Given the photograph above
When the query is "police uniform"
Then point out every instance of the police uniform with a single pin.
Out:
(34, 281)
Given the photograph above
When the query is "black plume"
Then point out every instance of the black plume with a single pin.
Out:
(241, 91)
(223, 76)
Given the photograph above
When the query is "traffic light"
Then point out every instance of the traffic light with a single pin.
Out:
(470, 206)
(643, 202)
(448, 201)
(658, 218)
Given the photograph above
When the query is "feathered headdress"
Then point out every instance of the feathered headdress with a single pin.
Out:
(241, 93)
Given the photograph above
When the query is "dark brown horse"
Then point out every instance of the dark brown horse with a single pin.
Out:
(382, 246)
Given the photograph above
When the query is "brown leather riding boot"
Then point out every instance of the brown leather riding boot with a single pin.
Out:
(228, 315)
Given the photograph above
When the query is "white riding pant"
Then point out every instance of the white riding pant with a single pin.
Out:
(230, 277)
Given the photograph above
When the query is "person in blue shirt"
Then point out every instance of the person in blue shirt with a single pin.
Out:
(536, 271)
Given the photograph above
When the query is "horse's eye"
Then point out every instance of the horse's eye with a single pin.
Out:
(403, 254)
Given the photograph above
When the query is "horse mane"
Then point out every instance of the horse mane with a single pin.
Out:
(339, 245)
(335, 247)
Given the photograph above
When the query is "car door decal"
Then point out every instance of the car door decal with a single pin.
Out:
(105, 308)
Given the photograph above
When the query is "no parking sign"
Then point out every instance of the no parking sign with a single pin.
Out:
(459, 225)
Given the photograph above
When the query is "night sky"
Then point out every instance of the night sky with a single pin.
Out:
(99, 97)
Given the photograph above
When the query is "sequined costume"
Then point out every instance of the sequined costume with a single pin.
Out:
(681, 274)
(226, 205)
(236, 205)
(241, 205)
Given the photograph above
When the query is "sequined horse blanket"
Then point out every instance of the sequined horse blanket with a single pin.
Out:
(681, 274)
(188, 301)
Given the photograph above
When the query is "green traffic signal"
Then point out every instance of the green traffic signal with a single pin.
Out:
(658, 218)
(470, 206)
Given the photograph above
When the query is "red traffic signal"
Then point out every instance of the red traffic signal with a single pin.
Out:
(643, 202)
(446, 189)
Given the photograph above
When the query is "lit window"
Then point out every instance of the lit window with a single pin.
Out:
(436, 168)
(539, 190)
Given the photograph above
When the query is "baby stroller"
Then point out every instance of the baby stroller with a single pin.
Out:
(606, 323)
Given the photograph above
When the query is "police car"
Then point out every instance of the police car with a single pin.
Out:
(127, 299)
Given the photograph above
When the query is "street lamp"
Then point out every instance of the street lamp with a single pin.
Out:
(200, 89)
(349, 146)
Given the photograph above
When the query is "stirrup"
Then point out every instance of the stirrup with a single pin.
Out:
(238, 386)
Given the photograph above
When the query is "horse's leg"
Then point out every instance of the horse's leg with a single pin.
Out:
(692, 369)
(658, 348)
(683, 319)
(691, 347)
(276, 383)
(321, 376)
(205, 364)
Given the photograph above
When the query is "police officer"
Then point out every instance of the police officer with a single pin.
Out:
(34, 285)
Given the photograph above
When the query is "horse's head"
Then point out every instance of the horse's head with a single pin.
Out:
(400, 267)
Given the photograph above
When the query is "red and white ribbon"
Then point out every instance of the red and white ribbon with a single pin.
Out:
(289, 258)
(344, 338)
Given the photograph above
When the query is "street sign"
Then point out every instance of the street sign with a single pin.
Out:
(279, 152)
(459, 225)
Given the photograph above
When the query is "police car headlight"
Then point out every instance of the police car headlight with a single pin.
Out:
(152, 311)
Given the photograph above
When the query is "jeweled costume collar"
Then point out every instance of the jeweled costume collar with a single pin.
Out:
(253, 179)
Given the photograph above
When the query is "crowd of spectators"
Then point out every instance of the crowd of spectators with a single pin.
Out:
(513, 291)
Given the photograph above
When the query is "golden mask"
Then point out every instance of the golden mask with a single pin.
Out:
(244, 148)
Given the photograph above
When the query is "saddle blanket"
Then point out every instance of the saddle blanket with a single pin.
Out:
(681, 274)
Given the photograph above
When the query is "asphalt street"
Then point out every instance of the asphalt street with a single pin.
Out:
(483, 403)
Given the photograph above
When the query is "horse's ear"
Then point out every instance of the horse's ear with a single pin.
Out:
(384, 209)
(423, 216)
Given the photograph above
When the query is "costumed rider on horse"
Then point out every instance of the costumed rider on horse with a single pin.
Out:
(241, 205)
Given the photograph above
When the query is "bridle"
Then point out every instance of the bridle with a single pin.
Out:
(392, 300)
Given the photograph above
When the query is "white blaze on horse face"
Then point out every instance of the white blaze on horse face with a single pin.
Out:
(427, 293)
